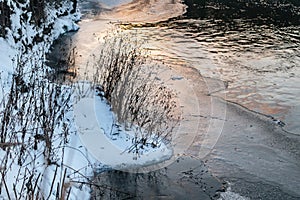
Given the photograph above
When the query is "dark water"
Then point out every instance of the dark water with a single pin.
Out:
(253, 46)
(186, 178)
(277, 12)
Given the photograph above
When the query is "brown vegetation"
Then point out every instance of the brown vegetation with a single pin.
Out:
(141, 102)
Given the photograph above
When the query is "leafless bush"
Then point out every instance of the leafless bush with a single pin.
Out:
(33, 127)
(33, 132)
(142, 103)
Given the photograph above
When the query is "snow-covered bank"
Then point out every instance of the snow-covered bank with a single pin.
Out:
(41, 155)
(107, 141)
(24, 37)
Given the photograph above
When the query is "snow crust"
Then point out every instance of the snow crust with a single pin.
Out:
(71, 157)
(108, 141)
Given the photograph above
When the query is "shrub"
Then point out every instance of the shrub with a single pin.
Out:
(126, 78)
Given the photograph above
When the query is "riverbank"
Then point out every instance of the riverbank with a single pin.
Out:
(41, 156)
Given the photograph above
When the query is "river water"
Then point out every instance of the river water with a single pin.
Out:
(253, 49)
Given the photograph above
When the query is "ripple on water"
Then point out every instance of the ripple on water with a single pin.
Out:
(251, 58)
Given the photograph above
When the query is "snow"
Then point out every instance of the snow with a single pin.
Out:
(7, 53)
(95, 123)
(22, 166)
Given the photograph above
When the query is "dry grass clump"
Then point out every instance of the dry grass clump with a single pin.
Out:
(33, 133)
(140, 101)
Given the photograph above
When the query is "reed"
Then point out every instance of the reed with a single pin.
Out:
(33, 131)
(125, 77)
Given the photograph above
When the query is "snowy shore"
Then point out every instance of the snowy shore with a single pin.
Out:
(242, 147)
(41, 155)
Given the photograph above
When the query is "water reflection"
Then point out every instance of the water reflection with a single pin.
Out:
(185, 179)
(280, 12)
(253, 47)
